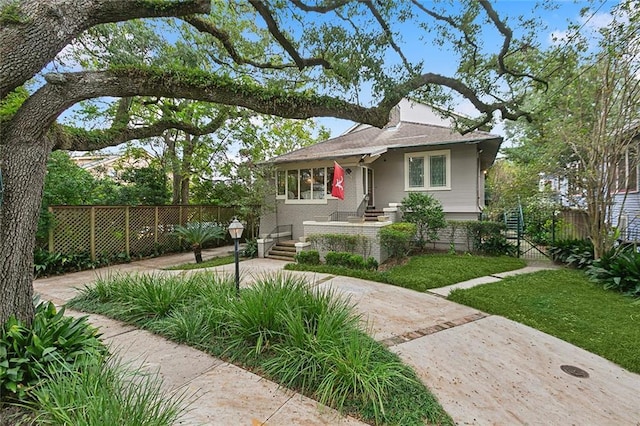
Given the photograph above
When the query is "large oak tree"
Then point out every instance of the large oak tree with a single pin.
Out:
(293, 59)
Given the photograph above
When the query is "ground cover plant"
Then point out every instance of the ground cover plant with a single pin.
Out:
(57, 371)
(565, 304)
(216, 261)
(107, 393)
(425, 271)
(618, 270)
(309, 340)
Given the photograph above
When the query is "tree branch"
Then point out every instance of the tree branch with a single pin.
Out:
(302, 63)
(39, 112)
(387, 31)
(50, 25)
(486, 109)
(208, 27)
(451, 22)
(320, 9)
(506, 45)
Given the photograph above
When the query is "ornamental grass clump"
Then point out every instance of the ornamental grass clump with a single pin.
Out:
(105, 393)
(308, 339)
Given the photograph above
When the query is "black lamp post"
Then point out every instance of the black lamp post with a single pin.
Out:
(235, 230)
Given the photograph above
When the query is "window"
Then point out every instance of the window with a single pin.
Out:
(292, 185)
(627, 172)
(281, 182)
(304, 184)
(429, 170)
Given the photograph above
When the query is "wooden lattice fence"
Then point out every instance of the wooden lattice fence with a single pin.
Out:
(130, 230)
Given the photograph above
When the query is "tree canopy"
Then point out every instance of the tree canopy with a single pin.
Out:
(296, 59)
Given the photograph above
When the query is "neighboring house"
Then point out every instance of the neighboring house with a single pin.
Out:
(107, 166)
(625, 211)
(417, 151)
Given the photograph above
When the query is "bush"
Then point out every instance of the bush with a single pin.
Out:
(51, 343)
(497, 245)
(486, 237)
(341, 243)
(251, 249)
(396, 238)
(619, 270)
(308, 257)
(576, 253)
(426, 213)
(349, 260)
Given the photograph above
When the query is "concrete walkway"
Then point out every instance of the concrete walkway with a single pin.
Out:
(484, 369)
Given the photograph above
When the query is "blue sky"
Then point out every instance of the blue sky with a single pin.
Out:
(554, 23)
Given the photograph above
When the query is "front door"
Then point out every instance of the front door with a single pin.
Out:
(367, 184)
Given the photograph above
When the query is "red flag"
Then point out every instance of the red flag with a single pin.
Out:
(338, 181)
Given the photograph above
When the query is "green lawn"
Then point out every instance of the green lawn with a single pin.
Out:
(427, 271)
(565, 304)
(216, 261)
(438, 270)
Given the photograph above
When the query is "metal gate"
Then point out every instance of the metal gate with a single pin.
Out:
(534, 233)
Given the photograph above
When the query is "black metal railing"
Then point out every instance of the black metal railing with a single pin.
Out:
(281, 232)
(343, 216)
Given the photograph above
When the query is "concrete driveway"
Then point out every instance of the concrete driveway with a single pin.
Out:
(484, 369)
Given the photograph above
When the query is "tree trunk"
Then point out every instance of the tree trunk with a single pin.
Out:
(187, 156)
(24, 168)
(197, 252)
(174, 162)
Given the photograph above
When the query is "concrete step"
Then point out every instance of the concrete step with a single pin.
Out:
(287, 258)
(286, 243)
(283, 253)
(284, 248)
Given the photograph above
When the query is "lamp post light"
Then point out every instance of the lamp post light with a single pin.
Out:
(235, 230)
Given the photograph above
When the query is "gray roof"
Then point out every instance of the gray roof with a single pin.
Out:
(373, 141)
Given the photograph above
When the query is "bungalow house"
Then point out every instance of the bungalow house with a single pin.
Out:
(417, 151)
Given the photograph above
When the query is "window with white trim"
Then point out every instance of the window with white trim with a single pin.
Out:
(304, 184)
(428, 170)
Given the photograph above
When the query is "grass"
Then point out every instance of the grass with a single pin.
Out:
(565, 304)
(426, 271)
(216, 261)
(438, 270)
(307, 339)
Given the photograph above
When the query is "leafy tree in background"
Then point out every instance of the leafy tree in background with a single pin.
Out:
(586, 123)
(258, 59)
(65, 183)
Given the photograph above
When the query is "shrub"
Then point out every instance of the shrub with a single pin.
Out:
(352, 261)
(576, 253)
(52, 342)
(497, 245)
(396, 238)
(308, 257)
(352, 243)
(45, 263)
(486, 237)
(426, 213)
(251, 248)
(371, 264)
(619, 270)
(539, 212)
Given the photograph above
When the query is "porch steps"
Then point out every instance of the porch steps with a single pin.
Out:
(283, 250)
(371, 214)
